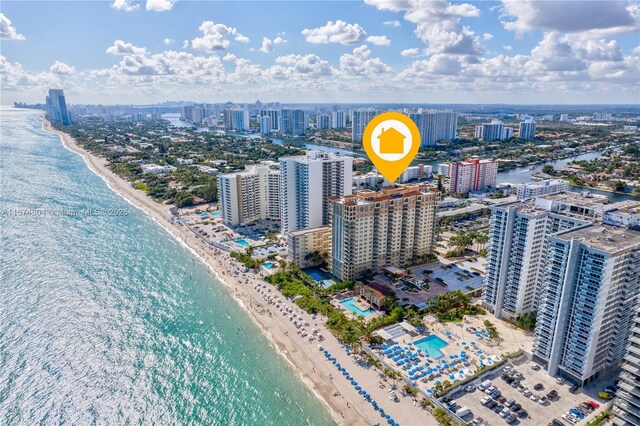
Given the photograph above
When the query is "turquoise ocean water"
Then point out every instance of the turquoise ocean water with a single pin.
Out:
(105, 319)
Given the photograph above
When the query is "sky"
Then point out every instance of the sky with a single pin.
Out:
(371, 51)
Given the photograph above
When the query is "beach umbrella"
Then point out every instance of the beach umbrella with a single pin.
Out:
(353, 382)
(358, 388)
(451, 376)
(473, 343)
(390, 421)
(338, 365)
(381, 410)
(344, 373)
(374, 403)
(479, 352)
(438, 382)
(463, 343)
(429, 391)
(451, 357)
(387, 416)
(361, 392)
(463, 353)
(444, 361)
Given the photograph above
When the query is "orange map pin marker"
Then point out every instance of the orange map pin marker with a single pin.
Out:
(391, 141)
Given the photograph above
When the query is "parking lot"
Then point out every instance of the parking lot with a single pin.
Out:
(534, 413)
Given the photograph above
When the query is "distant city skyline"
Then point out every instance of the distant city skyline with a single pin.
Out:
(376, 51)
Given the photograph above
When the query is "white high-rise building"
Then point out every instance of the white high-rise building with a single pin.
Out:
(517, 249)
(565, 117)
(276, 118)
(323, 121)
(627, 404)
(339, 120)
(306, 183)
(590, 293)
(198, 114)
(507, 133)
(294, 121)
(542, 187)
(473, 175)
(373, 229)
(443, 169)
(265, 124)
(527, 130)
(236, 119)
(251, 195)
(359, 120)
(490, 132)
(435, 126)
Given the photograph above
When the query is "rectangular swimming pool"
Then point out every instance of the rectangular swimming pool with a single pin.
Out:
(431, 345)
(243, 243)
(351, 306)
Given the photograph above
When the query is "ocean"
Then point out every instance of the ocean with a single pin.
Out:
(106, 319)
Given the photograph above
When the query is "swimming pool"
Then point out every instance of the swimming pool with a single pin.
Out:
(320, 276)
(268, 265)
(351, 306)
(216, 214)
(431, 345)
(242, 242)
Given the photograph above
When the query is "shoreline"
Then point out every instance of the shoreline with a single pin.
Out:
(344, 404)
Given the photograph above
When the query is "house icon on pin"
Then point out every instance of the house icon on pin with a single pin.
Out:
(391, 141)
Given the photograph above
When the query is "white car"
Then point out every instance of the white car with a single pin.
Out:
(490, 390)
(526, 393)
(560, 379)
(504, 412)
(535, 367)
(534, 397)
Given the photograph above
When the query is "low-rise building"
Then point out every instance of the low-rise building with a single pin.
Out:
(540, 188)
(304, 243)
(374, 293)
(152, 168)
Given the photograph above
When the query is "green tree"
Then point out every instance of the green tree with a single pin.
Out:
(548, 169)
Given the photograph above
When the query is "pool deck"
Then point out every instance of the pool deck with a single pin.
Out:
(459, 338)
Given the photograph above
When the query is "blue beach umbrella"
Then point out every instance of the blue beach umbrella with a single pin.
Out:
(473, 343)
(438, 382)
(429, 391)
(358, 388)
(387, 416)
(390, 421)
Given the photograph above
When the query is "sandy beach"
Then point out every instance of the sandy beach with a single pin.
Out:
(322, 377)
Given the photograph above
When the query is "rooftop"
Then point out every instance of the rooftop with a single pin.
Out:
(611, 239)
(366, 196)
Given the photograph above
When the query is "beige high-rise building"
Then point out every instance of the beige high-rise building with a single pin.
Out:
(250, 195)
(372, 229)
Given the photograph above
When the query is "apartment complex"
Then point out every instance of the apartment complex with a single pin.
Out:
(323, 121)
(250, 195)
(57, 107)
(542, 187)
(435, 126)
(373, 229)
(359, 120)
(590, 291)
(627, 404)
(527, 130)
(302, 243)
(338, 119)
(494, 131)
(473, 175)
(294, 121)
(236, 119)
(560, 256)
(517, 248)
(306, 183)
(274, 119)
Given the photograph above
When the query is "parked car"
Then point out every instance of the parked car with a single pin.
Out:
(594, 404)
(574, 388)
(470, 388)
(552, 394)
(484, 385)
(502, 400)
(521, 389)
(509, 419)
(509, 403)
(570, 419)
(526, 393)
(509, 380)
(538, 386)
(543, 400)
(604, 395)
(560, 379)
(556, 422)
(522, 413)
(489, 390)
(535, 367)
(610, 389)
(534, 397)
(515, 407)
(496, 394)
(504, 412)
(498, 408)
(507, 368)
(491, 404)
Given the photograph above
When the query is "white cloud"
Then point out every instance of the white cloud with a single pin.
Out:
(359, 63)
(124, 5)
(61, 68)
(185, 44)
(392, 23)
(410, 52)
(215, 37)
(168, 41)
(636, 50)
(122, 48)
(160, 5)
(379, 40)
(297, 67)
(268, 44)
(7, 30)
(229, 57)
(598, 18)
(487, 36)
(335, 32)
(508, 47)
(438, 24)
